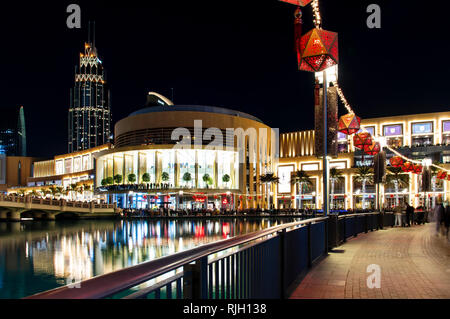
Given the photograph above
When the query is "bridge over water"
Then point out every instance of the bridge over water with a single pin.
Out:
(12, 208)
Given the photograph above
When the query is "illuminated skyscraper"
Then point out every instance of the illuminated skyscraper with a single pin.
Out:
(89, 113)
(13, 138)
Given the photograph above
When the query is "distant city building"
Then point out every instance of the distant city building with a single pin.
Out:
(89, 113)
(13, 140)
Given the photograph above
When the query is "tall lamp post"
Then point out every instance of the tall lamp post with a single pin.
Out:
(326, 77)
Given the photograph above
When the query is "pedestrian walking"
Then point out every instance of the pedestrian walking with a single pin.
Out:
(438, 216)
(409, 214)
(447, 219)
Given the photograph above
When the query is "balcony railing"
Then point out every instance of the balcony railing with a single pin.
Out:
(263, 264)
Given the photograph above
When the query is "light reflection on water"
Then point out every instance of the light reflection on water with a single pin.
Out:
(37, 256)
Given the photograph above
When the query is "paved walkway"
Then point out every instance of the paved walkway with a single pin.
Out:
(414, 264)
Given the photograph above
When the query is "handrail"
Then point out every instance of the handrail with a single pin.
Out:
(114, 282)
(360, 214)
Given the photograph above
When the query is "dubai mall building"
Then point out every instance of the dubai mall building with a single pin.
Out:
(189, 157)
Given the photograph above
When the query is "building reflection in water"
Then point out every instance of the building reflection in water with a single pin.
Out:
(36, 256)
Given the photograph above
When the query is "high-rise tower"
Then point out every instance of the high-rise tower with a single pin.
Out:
(89, 113)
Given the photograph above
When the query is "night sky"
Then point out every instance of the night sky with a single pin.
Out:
(234, 54)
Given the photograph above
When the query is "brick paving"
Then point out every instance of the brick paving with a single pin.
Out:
(414, 263)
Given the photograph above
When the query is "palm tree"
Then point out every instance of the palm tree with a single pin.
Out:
(269, 179)
(335, 175)
(398, 179)
(301, 178)
(60, 191)
(364, 175)
(21, 192)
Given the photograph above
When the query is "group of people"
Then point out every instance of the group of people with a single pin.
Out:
(406, 216)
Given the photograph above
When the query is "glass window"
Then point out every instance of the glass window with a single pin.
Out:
(59, 167)
(422, 128)
(206, 167)
(77, 164)
(393, 130)
(284, 173)
(186, 161)
(68, 165)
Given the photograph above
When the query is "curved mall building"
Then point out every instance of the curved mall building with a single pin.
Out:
(186, 157)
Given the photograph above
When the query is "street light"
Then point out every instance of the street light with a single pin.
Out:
(325, 77)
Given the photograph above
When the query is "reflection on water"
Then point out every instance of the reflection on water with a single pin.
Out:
(37, 256)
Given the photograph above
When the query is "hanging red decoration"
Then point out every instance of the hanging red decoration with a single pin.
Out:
(250, 198)
(292, 197)
(418, 168)
(361, 140)
(300, 3)
(372, 149)
(442, 175)
(396, 161)
(318, 50)
(240, 196)
(156, 197)
(298, 26)
(259, 197)
(349, 124)
(408, 167)
(215, 196)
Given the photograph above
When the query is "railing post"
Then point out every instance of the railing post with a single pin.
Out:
(366, 222)
(195, 278)
(282, 264)
(326, 235)
(345, 229)
(308, 226)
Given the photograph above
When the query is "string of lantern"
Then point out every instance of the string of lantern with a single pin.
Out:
(317, 50)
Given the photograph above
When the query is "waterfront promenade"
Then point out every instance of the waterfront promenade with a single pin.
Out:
(414, 263)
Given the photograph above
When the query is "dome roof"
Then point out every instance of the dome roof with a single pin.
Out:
(194, 108)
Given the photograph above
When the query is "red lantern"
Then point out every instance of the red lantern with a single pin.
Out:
(361, 140)
(396, 161)
(215, 196)
(318, 50)
(156, 197)
(259, 197)
(418, 169)
(240, 196)
(292, 197)
(300, 3)
(408, 167)
(349, 124)
(442, 175)
(372, 149)
(250, 198)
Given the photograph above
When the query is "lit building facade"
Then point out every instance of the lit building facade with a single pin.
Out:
(89, 113)
(151, 165)
(417, 136)
(66, 171)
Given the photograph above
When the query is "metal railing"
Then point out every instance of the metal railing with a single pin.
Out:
(263, 264)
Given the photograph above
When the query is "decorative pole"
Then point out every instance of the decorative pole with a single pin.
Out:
(326, 191)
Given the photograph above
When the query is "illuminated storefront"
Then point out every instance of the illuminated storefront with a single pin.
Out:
(417, 136)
